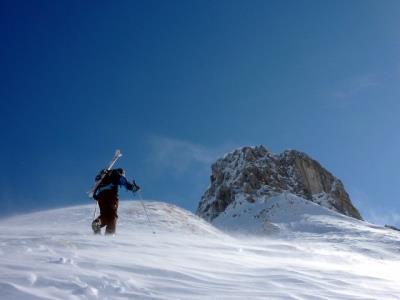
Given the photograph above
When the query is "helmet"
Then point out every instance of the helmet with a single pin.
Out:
(120, 171)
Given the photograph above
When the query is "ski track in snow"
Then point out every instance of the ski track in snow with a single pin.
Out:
(54, 255)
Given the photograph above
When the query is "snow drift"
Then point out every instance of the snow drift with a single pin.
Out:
(315, 254)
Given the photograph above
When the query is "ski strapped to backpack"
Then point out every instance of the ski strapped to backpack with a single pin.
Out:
(117, 155)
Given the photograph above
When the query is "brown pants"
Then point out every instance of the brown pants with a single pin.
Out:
(108, 203)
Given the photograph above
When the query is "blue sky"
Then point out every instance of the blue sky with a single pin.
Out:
(175, 84)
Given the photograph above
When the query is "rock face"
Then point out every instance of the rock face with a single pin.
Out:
(255, 173)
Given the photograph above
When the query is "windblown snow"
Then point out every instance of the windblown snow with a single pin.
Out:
(305, 252)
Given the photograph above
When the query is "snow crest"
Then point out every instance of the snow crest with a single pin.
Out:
(315, 254)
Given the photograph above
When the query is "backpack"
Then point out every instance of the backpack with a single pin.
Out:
(110, 179)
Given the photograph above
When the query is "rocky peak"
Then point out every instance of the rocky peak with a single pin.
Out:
(256, 173)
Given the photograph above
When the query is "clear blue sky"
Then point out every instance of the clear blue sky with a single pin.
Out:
(175, 84)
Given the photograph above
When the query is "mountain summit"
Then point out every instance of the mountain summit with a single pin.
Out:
(254, 175)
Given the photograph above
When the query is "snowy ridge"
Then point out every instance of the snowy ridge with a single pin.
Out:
(315, 254)
(293, 217)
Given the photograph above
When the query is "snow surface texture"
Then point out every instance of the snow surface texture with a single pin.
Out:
(310, 253)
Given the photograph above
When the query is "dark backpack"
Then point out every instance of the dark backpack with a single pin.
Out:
(111, 177)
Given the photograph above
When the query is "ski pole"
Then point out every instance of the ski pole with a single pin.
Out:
(95, 208)
(145, 210)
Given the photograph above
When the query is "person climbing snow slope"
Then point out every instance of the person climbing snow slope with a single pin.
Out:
(106, 194)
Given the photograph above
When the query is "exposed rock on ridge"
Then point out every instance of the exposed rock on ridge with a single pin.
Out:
(256, 173)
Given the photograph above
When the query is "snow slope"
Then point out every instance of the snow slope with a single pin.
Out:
(289, 216)
(310, 254)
